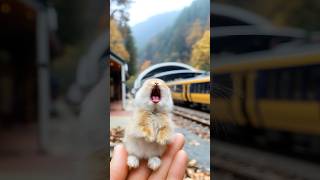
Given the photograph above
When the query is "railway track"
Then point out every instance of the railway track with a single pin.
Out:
(193, 115)
(236, 162)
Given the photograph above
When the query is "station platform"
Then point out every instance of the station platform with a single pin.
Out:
(21, 158)
(119, 115)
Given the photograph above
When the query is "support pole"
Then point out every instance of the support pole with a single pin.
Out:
(42, 39)
(123, 85)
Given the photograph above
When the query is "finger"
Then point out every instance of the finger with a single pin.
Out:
(118, 164)
(167, 158)
(141, 173)
(178, 166)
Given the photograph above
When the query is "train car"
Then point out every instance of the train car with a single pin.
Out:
(277, 91)
(191, 91)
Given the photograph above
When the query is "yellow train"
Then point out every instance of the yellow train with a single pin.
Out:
(275, 91)
(193, 91)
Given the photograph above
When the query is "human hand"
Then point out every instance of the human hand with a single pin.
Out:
(173, 164)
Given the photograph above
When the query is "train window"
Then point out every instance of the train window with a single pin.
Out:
(222, 86)
(298, 83)
(206, 88)
(305, 83)
(297, 88)
(193, 88)
(178, 88)
(271, 85)
(312, 83)
(261, 84)
(200, 88)
(284, 85)
(240, 44)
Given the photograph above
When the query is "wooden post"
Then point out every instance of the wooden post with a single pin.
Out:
(123, 84)
(42, 39)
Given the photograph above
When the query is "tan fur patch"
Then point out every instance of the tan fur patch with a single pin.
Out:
(164, 131)
(145, 125)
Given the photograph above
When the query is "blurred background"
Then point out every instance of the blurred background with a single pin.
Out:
(265, 63)
(170, 40)
(265, 82)
(52, 56)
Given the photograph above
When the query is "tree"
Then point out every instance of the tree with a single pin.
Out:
(175, 42)
(132, 50)
(119, 11)
(145, 65)
(194, 33)
(200, 57)
(117, 41)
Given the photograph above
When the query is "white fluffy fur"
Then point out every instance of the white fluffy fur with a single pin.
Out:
(154, 163)
(134, 140)
(133, 161)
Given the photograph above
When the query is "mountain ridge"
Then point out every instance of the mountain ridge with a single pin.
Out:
(144, 31)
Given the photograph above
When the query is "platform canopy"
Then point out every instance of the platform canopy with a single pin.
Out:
(177, 74)
(166, 71)
(225, 15)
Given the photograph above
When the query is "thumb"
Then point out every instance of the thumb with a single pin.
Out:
(118, 164)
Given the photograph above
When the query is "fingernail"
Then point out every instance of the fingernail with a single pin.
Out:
(183, 154)
(178, 135)
(173, 137)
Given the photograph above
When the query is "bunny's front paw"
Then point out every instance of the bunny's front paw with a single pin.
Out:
(133, 161)
(154, 163)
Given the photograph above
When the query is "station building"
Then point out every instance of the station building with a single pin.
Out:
(28, 42)
(97, 62)
(118, 75)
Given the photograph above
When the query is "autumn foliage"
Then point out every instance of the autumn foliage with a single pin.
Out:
(200, 57)
(117, 42)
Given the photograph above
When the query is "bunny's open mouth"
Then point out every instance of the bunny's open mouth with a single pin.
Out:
(155, 94)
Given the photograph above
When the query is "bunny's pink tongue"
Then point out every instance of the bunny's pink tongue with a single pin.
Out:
(155, 99)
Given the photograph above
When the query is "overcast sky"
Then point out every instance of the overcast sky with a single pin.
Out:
(141, 10)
